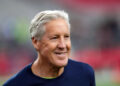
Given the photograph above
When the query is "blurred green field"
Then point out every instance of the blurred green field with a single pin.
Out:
(105, 78)
(3, 79)
(1, 82)
(106, 83)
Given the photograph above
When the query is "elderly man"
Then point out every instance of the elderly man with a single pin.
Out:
(50, 34)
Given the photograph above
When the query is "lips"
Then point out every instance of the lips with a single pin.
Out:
(61, 54)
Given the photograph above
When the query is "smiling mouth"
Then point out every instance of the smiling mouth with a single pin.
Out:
(61, 54)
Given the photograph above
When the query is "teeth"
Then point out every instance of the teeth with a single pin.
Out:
(60, 53)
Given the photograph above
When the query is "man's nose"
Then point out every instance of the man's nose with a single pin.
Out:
(61, 44)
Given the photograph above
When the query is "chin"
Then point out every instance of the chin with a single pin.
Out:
(62, 63)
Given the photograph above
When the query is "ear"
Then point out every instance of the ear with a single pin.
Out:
(36, 43)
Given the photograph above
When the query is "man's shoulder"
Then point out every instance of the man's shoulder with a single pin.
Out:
(77, 63)
(16, 80)
(80, 65)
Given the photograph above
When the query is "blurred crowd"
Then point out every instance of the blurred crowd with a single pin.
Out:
(15, 50)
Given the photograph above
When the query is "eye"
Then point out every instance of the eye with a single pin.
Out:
(67, 36)
(54, 37)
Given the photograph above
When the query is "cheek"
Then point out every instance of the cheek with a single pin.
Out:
(47, 48)
(69, 45)
(44, 48)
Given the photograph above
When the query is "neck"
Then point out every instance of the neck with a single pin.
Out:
(41, 69)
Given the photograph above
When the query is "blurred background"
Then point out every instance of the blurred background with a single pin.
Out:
(95, 35)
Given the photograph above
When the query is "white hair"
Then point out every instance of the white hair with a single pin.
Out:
(37, 27)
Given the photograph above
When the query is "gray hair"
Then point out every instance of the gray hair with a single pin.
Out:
(37, 28)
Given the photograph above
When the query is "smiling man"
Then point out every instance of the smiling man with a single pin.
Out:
(50, 34)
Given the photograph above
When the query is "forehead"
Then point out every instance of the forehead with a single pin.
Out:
(57, 26)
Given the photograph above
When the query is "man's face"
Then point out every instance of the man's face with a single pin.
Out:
(55, 45)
